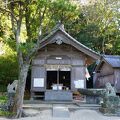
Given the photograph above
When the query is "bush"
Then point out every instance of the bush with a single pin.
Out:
(3, 101)
(4, 113)
(8, 66)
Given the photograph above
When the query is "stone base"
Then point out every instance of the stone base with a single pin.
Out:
(58, 95)
(92, 99)
(108, 110)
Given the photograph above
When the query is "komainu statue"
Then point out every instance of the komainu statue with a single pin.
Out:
(110, 91)
(11, 90)
(110, 100)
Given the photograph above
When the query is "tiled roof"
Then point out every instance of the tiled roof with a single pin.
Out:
(113, 60)
(61, 28)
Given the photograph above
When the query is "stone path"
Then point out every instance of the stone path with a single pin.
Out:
(60, 111)
(63, 112)
(83, 114)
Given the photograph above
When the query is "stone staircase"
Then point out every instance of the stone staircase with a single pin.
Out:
(58, 109)
(50, 104)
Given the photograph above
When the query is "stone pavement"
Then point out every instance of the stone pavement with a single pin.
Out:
(60, 111)
(83, 114)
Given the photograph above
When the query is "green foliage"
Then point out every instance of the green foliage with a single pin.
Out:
(3, 99)
(88, 37)
(5, 113)
(53, 11)
(8, 65)
(99, 28)
(3, 88)
(8, 59)
(26, 47)
(64, 10)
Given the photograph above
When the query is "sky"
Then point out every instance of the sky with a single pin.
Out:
(83, 1)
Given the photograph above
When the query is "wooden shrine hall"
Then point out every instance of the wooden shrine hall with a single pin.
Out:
(108, 70)
(59, 67)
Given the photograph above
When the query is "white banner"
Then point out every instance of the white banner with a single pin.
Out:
(38, 82)
(79, 83)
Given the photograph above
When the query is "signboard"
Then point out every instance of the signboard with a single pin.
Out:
(79, 83)
(58, 67)
(38, 82)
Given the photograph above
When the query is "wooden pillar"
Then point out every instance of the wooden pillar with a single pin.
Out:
(58, 76)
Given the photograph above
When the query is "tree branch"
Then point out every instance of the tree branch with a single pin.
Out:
(8, 11)
(36, 46)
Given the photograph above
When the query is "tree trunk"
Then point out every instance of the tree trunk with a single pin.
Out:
(27, 20)
(17, 108)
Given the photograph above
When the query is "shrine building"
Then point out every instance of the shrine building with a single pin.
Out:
(59, 67)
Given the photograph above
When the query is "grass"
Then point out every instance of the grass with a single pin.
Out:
(3, 100)
(5, 113)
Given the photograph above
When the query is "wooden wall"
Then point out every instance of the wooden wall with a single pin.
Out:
(117, 79)
(71, 56)
(38, 72)
(104, 74)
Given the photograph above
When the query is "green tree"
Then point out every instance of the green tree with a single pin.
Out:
(95, 25)
(99, 26)
(28, 20)
(8, 62)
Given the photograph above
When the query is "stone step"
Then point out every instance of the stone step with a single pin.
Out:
(87, 105)
(60, 111)
(69, 106)
(47, 102)
(38, 96)
(36, 104)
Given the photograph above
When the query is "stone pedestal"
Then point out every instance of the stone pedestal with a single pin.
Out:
(110, 105)
(92, 99)
(10, 103)
(58, 95)
(110, 101)
(11, 90)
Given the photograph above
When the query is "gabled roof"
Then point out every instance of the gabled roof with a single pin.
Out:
(113, 60)
(74, 42)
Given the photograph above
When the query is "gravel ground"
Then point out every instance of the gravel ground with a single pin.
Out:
(83, 114)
